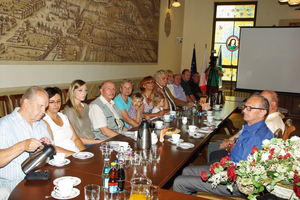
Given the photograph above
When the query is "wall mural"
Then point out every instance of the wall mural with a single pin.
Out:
(79, 30)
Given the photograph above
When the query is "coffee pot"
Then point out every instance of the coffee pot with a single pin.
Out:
(144, 136)
(220, 98)
(210, 100)
(39, 159)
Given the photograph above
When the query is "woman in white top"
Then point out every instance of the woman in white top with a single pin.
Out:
(59, 127)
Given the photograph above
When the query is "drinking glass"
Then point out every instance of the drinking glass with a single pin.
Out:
(155, 152)
(154, 189)
(92, 192)
(136, 158)
(146, 156)
(106, 149)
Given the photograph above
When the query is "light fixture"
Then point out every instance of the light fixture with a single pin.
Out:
(291, 2)
(173, 3)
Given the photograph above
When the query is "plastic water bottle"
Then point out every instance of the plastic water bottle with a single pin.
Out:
(105, 173)
(121, 177)
(113, 182)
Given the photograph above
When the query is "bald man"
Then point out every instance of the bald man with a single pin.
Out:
(105, 115)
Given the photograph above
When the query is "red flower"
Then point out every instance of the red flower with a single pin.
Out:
(272, 151)
(270, 157)
(280, 157)
(254, 149)
(225, 161)
(296, 172)
(296, 188)
(213, 167)
(204, 175)
(231, 172)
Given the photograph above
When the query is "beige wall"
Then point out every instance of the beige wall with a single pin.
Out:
(192, 21)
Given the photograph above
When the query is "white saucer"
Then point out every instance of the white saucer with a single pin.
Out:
(185, 145)
(117, 149)
(52, 162)
(75, 192)
(76, 180)
(129, 134)
(167, 120)
(161, 127)
(114, 144)
(171, 140)
(218, 118)
(83, 155)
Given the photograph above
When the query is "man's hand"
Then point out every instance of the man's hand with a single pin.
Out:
(225, 143)
(45, 140)
(191, 104)
(230, 147)
(32, 144)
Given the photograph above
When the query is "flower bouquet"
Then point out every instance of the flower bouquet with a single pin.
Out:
(278, 162)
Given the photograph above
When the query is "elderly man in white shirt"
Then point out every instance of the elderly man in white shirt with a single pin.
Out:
(104, 113)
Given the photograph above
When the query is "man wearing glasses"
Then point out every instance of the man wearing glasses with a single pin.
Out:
(253, 133)
(104, 113)
(273, 122)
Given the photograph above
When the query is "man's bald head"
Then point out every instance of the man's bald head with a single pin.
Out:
(272, 98)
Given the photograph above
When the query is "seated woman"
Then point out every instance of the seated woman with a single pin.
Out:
(147, 86)
(78, 113)
(59, 127)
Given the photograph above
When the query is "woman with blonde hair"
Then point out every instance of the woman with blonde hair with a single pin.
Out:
(78, 112)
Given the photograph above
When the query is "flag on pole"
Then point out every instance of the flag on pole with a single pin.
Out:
(203, 78)
(220, 64)
(193, 64)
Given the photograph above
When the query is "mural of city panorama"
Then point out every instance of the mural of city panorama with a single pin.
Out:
(79, 30)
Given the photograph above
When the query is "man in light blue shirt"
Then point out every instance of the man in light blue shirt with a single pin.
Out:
(178, 88)
(22, 132)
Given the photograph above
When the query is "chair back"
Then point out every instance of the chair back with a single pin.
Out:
(278, 133)
(15, 99)
(289, 128)
(65, 94)
(5, 107)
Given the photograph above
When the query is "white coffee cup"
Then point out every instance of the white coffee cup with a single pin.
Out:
(184, 120)
(123, 144)
(59, 158)
(210, 118)
(209, 113)
(64, 187)
(159, 124)
(192, 128)
(175, 137)
(217, 107)
(167, 118)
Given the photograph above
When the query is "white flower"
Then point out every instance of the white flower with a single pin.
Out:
(265, 157)
(295, 138)
(266, 142)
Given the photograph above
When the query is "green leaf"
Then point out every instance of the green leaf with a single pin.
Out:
(271, 173)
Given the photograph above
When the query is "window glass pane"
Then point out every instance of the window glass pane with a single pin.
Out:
(227, 73)
(235, 11)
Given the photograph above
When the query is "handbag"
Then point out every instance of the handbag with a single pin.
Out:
(37, 176)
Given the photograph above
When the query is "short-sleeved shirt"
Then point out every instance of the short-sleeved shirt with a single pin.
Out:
(122, 104)
(132, 114)
(14, 129)
(250, 136)
(81, 125)
(97, 116)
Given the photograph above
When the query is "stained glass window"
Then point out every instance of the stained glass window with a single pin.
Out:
(229, 17)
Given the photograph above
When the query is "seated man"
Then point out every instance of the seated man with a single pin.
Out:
(178, 89)
(273, 122)
(123, 102)
(170, 83)
(185, 84)
(254, 132)
(161, 80)
(22, 132)
(194, 85)
(104, 113)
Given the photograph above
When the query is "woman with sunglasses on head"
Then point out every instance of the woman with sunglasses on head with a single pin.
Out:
(147, 86)
(78, 113)
(59, 127)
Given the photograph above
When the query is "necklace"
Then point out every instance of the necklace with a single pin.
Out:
(148, 98)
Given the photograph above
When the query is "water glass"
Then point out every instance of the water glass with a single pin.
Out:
(146, 156)
(155, 152)
(92, 192)
(136, 158)
(106, 149)
(128, 155)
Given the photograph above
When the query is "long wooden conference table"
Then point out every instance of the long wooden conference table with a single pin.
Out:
(173, 160)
